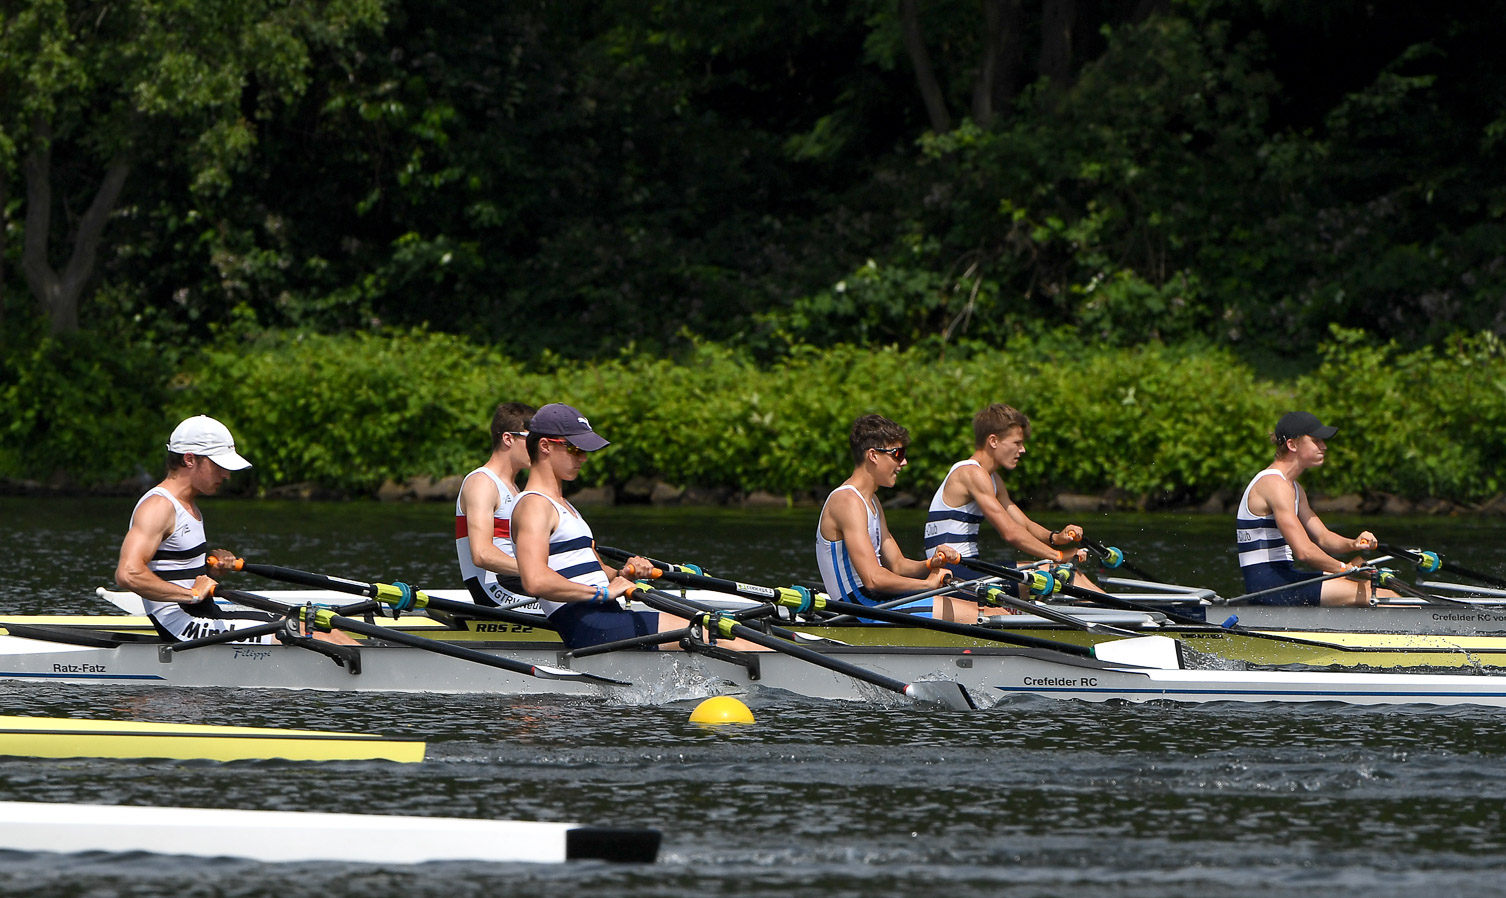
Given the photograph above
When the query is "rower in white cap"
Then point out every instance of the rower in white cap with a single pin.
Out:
(163, 558)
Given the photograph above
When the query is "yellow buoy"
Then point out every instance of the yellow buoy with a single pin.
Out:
(721, 709)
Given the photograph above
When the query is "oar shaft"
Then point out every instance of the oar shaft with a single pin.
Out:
(373, 590)
(960, 629)
(1462, 571)
(388, 634)
(666, 602)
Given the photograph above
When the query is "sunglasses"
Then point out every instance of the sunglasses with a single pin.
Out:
(570, 447)
(897, 453)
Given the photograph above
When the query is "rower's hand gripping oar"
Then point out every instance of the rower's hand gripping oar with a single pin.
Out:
(949, 692)
(395, 597)
(326, 619)
(1430, 563)
(1159, 652)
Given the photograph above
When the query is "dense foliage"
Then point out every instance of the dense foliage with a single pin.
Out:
(1155, 424)
(548, 176)
(702, 218)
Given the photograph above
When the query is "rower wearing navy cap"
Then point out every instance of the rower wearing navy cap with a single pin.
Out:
(164, 557)
(555, 549)
(1275, 526)
(858, 558)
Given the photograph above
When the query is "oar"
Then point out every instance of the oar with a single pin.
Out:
(1153, 656)
(325, 619)
(1113, 557)
(948, 692)
(1429, 562)
(400, 596)
(762, 592)
(1180, 619)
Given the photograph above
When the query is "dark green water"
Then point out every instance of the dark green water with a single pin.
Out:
(1030, 798)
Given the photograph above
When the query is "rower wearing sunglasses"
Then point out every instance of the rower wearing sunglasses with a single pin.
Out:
(973, 492)
(555, 549)
(484, 507)
(858, 557)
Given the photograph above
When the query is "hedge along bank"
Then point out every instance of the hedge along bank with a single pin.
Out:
(1176, 424)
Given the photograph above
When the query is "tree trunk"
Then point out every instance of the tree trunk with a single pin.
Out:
(998, 80)
(925, 74)
(59, 294)
(1058, 17)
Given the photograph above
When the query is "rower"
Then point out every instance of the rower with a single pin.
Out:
(1275, 526)
(555, 549)
(484, 506)
(857, 555)
(972, 492)
(163, 557)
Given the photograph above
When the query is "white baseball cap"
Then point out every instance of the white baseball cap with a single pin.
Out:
(206, 437)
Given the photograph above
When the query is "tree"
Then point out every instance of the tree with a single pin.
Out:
(89, 90)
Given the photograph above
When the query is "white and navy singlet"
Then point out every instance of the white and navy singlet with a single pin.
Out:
(838, 575)
(955, 527)
(1265, 557)
(572, 552)
(180, 559)
(484, 585)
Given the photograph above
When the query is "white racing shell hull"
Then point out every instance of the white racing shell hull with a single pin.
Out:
(987, 673)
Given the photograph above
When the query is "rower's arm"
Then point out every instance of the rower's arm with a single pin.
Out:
(478, 500)
(150, 525)
(1005, 516)
(1330, 542)
(1293, 522)
(846, 519)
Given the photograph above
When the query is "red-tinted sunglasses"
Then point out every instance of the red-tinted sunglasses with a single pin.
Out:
(897, 453)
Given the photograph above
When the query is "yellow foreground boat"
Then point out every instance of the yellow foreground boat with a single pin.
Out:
(59, 737)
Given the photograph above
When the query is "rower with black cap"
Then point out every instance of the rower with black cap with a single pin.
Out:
(164, 557)
(555, 549)
(1275, 526)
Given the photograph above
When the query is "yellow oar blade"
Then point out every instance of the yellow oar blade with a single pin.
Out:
(55, 737)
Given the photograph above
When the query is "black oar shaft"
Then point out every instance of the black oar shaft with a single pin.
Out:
(960, 629)
(371, 590)
(671, 604)
(388, 634)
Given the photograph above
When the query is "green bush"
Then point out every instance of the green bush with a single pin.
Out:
(1161, 424)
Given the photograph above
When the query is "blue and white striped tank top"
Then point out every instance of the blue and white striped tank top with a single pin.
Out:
(955, 527)
(572, 552)
(838, 575)
(1258, 540)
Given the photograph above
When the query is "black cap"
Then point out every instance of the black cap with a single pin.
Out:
(559, 420)
(1299, 424)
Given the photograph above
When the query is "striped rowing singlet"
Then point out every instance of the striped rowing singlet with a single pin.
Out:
(179, 560)
(838, 575)
(572, 552)
(484, 579)
(1258, 540)
(955, 527)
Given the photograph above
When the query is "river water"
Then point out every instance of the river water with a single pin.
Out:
(1032, 797)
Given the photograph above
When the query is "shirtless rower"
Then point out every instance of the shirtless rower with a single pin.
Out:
(858, 557)
(163, 557)
(973, 492)
(556, 551)
(1275, 526)
(482, 510)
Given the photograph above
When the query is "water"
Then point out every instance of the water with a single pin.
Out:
(1033, 797)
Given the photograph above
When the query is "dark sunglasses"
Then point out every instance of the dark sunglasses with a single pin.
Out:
(897, 453)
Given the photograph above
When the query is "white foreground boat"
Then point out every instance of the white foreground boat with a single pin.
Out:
(285, 836)
(987, 673)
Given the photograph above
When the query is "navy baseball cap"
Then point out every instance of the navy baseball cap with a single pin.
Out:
(1298, 424)
(559, 420)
